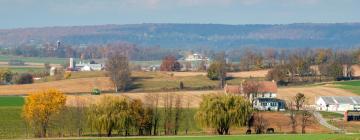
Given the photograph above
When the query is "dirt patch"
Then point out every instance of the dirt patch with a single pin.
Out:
(280, 121)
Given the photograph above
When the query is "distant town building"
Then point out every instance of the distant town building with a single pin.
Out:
(338, 103)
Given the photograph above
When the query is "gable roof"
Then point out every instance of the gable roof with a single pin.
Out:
(267, 86)
(332, 100)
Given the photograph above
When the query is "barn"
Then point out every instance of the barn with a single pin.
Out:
(338, 103)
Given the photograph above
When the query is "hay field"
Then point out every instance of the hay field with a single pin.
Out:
(243, 74)
(312, 92)
(67, 86)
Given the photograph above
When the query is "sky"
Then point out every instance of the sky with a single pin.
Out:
(44, 13)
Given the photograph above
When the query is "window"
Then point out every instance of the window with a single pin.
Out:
(263, 104)
(273, 104)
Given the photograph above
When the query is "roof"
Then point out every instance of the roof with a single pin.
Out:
(235, 89)
(332, 100)
(267, 86)
(269, 100)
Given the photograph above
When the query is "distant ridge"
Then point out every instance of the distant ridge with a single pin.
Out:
(221, 36)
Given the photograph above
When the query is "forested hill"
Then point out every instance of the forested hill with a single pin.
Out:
(190, 35)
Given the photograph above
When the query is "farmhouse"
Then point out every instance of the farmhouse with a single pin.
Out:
(338, 103)
(263, 99)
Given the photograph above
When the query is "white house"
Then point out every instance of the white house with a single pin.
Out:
(263, 99)
(89, 67)
(338, 103)
(270, 104)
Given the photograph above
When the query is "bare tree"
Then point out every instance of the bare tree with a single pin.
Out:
(306, 115)
(292, 116)
(117, 66)
(251, 89)
(260, 123)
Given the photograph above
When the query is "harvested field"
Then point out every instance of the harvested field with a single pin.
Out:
(283, 123)
(191, 97)
(243, 74)
(312, 92)
(67, 86)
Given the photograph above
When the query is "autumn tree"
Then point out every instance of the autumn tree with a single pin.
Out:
(40, 107)
(251, 89)
(169, 63)
(141, 117)
(110, 114)
(5, 76)
(278, 74)
(222, 112)
(299, 100)
(117, 67)
(217, 69)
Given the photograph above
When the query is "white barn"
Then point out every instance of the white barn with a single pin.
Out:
(338, 103)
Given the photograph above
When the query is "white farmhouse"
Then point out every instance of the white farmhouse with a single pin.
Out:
(338, 103)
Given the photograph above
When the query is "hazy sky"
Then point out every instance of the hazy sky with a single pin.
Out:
(39, 13)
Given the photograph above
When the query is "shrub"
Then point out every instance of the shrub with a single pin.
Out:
(24, 78)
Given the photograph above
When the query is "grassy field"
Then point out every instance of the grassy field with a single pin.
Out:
(7, 101)
(11, 123)
(259, 137)
(353, 86)
(51, 60)
(331, 115)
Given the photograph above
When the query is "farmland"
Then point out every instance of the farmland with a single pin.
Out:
(255, 137)
(353, 86)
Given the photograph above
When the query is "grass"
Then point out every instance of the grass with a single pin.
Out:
(353, 86)
(12, 101)
(259, 137)
(11, 123)
(331, 115)
(51, 60)
(25, 69)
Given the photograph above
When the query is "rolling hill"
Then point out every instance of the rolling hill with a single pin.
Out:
(216, 36)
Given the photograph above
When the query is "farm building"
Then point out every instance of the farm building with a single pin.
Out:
(270, 104)
(338, 103)
(263, 99)
(265, 89)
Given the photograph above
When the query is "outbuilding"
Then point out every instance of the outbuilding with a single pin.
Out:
(338, 103)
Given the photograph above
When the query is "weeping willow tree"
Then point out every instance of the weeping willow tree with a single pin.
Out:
(223, 111)
(109, 114)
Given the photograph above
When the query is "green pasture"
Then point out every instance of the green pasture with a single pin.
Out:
(257, 137)
(353, 86)
(52, 60)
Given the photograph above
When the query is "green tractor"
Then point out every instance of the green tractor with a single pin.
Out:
(96, 91)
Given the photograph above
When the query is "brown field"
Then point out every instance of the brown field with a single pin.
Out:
(243, 74)
(280, 122)
(311, 92)
(67, 86)
(28, 65)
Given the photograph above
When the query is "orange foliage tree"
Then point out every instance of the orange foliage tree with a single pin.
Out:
(40, 107)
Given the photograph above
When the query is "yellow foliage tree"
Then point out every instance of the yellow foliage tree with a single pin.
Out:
(40, 107)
